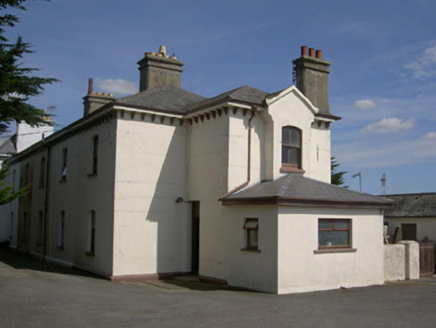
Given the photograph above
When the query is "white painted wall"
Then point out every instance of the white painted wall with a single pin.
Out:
(290, 110)
(301, 270)
(151, 230)
(28, 135)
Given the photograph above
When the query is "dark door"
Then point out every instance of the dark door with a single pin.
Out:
(408, 231)
(195, 245)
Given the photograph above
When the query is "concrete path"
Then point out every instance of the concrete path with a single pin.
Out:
(35, 294)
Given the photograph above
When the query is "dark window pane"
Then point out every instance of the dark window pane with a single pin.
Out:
(252, 238)
(323, 224)
(295, 138)
(333, 238)
(341, 225)
(285, 156)
(285, 136)
(294, 155)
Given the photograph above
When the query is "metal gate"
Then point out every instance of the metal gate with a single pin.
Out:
(426, 259)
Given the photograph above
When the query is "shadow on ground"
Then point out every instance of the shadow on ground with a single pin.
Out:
(24, 261)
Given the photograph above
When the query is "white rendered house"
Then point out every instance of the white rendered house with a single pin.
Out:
(234, 188)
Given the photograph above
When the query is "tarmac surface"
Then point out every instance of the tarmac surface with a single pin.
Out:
(38, 294)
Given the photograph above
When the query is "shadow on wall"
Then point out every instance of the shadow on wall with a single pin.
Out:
(170, 210)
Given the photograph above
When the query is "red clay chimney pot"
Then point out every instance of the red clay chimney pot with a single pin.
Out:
(304, 51)
(319, 54)
(312, 52)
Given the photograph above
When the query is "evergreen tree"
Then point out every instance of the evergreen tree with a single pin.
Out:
(337, 178)
(17, 84)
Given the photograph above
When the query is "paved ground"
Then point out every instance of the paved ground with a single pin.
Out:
(35, 294)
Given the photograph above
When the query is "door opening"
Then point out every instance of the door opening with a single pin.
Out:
(195, 233)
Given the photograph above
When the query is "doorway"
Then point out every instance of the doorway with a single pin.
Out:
(195, 237)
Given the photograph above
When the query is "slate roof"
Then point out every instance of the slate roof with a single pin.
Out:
(8, 147)
(244, 94)
(294, 189)
(166, 98)
(412, 205)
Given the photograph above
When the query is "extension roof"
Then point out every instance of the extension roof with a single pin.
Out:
(412, 205)
(296, 190)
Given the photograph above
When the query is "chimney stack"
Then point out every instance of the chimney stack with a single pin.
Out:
(94, 100)
(159, 70)
(312, 77)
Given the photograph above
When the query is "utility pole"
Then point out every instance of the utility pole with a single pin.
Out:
(360, 179)
(383, 183)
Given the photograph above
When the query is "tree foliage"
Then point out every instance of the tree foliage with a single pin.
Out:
(337, 177)
(7, 192)
(17, 84)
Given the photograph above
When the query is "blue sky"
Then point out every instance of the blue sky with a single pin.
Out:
(383, 55)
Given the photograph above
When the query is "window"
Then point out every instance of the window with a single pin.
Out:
(91, 233)
(334, 233)
(251, 232)
(24, 228)
(40, 228)
(94, 155)
(64, 165)
(61, 243)
(42, 173)
(11, 227)
(291, 149)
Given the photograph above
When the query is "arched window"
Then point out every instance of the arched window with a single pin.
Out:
(291, 147)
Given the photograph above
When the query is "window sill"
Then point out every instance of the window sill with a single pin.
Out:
(334, 250)
(252, 250)
(291, 169)
(92, 254)
(93, 174)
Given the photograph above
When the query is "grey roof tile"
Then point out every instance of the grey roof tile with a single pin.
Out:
(244, 94)
(166, 98)
(412, 205)
(294, 188)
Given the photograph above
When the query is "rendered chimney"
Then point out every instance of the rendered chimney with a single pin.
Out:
(312, 78)
(94, 100)
(158, 70)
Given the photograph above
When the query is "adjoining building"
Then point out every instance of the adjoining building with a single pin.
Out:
(235, 188)
(412, 217)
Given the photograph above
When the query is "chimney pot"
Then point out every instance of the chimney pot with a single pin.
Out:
(319, 54)
(90, 86)
(312, 52)
(163, 50)
(304, 51)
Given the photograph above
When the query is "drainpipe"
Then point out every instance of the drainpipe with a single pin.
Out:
(253, 113)
(47, 173)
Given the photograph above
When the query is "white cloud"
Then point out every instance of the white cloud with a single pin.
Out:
(430, 136)
(117, 86)
(366, 154)
(365, 104)
(425, 65)
(389, 125)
